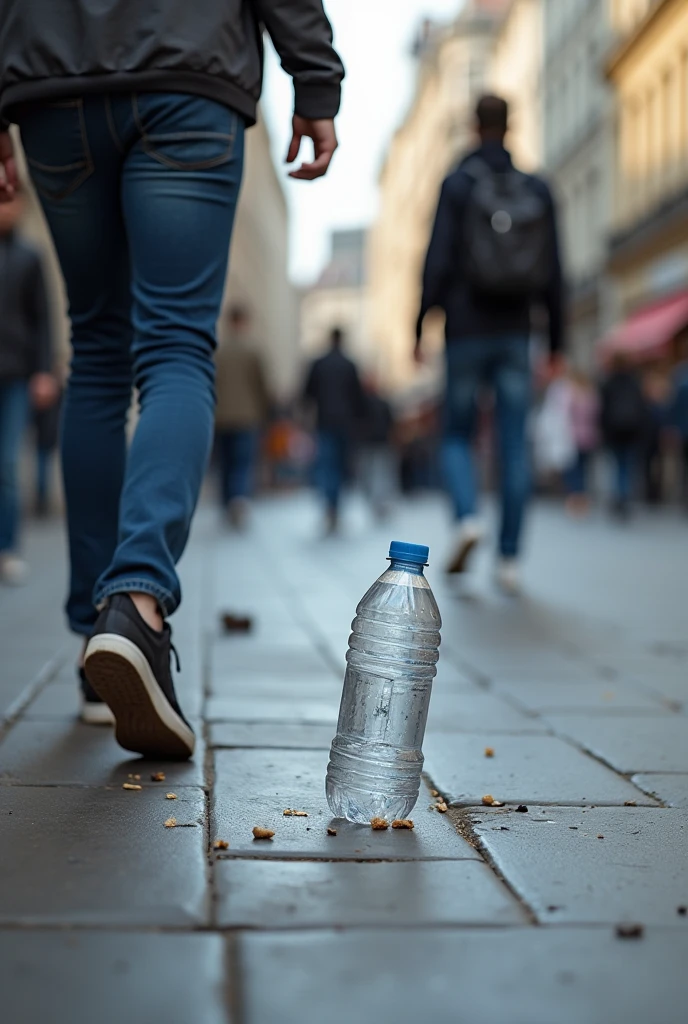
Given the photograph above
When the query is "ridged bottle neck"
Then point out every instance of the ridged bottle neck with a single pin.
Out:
(412, 567)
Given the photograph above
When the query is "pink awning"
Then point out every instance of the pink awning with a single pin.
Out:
(649, 330)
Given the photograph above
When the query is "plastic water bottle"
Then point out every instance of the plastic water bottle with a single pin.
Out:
(376, 757)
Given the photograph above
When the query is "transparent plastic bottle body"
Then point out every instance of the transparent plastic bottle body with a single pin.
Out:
(376, 757)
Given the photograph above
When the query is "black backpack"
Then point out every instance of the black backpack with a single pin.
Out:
(508, 233)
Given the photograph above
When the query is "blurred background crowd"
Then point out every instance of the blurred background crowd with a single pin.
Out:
(317, 384)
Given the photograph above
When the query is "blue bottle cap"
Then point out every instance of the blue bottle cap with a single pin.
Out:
(400, 551)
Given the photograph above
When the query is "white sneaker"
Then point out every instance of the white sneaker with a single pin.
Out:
(508, 577)
(13, 570)
(470, 532)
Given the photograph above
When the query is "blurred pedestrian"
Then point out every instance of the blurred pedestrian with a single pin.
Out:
(132, 118)
(334, 388)
(678, 419)
(25, 370)
(623, 418)
(582, 406)
(46, 425)
(376, 460)
(241, 413)
(656, 386)
(492, 257)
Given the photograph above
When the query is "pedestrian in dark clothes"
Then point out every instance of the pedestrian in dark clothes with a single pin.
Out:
(623, 419)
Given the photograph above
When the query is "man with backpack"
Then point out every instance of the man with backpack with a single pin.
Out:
(132, 117)
(624, 418)
(493, 256)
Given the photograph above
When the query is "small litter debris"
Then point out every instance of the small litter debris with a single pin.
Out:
(441, 807)
(289, 813)
(170, 796)
(232, 623)
(158, 777)
(504, 828)
(332, 831)
(682, 911)
(489, 751)
(522, 809)
(136, 778)
(630, 803)
(171, 823)
(600, 837)
(434, 792)
(220, 844)
(131, 785)
(552, 907)
(630, 931)
(262, 833)
(402, 823)
(379, 824)
(574, 828)
(489, 801)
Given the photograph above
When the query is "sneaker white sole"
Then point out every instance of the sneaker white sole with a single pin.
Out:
(459, 562)
(145, 721)
(96, 714)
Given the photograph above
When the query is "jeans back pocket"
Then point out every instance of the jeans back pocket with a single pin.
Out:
(56, 147)
(185, 132)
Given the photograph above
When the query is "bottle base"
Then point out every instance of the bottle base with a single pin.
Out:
(361, 808)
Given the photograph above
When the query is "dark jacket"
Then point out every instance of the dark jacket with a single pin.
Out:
(624, 413)
(444, 284)
(334, 387)
(51, 49)
(25, 346)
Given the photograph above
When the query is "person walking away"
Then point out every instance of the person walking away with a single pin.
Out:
(25, 370)
(582, 403)
(376, 460)
(678, 419)
(493, 256)
(241, 412)
(623, 418)
(133, 128)
(46, 424)
(333, 387)
(656, 386)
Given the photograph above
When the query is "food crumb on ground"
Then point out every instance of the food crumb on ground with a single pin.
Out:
(171, 823)
(220, 844)
(289, 813)
(158, 777)
(131, 785)
(630, 803)
(600, 837)
(262, 833)
(630, 931)
(488, 800)
(332, 831)
(136, 778)
(170, 796)
(379, 824)
(434, 792)
(441, 807)
(489, 751)
(402, 823)
(522, 809)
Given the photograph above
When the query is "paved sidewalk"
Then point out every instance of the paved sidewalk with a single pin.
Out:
(486, 915)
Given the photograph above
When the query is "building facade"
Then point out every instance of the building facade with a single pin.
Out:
(648, 71)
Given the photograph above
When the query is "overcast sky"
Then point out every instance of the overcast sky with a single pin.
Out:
(374, 39)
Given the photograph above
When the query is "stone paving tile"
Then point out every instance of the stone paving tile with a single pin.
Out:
(69, 753)
(244, 709)
(101, 856)
(253, 787)
(269, 688)
(279, 662)
(484, 976)
(78, 977)
(657, 743)
(554, 859)
(670, 789)
(477, 711)
(524, 769)
(273, 735)
(589, 695)
(61, 700)
(282, 894)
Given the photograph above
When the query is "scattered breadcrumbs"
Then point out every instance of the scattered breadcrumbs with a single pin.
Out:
(170, 796)
(402, 823)
(289, 813)
(629, 931)
(434, 792)
(262, 833)
(630, 803)
(131, 785)
(489, 751)
(379, 824)
(600, 837)
(136, 778)
(332, 831)
(220, 844)
(158, 777)
(171, 823)
(441, 807)
(490, 801)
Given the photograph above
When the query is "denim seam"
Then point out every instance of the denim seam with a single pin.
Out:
(86, 163)
(199, 165)
(111, 125)
(134, 585)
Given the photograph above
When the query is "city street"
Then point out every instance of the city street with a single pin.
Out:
(565, 906)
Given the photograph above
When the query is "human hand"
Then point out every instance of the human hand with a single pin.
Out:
(9, 179)
(44, 390)
(324, 137)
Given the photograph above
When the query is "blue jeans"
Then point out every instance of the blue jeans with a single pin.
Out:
(625, 458)
(237, 452)
(576, 476)
(502, 363)
(330, 467)
(139, 192)
(14, 411)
